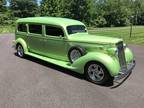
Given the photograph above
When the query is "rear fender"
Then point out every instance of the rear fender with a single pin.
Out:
(23, 43)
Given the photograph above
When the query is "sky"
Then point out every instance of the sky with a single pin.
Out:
(38, 1)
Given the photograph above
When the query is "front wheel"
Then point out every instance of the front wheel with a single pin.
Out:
(97, 73)
(20, 51)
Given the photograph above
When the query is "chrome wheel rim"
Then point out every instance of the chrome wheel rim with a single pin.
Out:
(75, 54)
(95, 72)
(20, 51)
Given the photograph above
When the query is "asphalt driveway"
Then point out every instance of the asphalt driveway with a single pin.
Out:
(32, 83)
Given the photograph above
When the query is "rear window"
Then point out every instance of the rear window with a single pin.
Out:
(37, 29)
(54, 31)
(22, 28)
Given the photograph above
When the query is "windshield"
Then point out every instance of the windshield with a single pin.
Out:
(76, 29)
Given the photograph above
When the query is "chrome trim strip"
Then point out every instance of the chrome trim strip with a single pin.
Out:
(121, 56)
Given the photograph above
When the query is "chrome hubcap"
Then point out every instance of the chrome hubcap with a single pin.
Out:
(20, 51)
(75, 54)
(95, 72)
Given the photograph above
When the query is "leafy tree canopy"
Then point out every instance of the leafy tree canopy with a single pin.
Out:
(23, 8)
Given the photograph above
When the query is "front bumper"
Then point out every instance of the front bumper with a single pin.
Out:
(123, 75)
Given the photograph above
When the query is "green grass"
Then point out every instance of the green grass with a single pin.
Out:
(7, 29)
(122, 32)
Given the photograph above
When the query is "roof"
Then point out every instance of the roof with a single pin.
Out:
(50, 20)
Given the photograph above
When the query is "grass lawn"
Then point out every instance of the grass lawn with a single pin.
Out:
(122, 32)
(6, 29)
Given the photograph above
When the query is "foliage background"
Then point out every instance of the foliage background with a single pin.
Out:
(96, 13)
(103, 17)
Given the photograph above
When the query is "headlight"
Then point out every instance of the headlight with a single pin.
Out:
(113, 51)
(116, 51)
(125, 45)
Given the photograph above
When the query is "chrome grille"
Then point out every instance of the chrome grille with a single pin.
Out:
(121, 56)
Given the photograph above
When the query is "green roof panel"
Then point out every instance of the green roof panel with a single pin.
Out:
(50, 20)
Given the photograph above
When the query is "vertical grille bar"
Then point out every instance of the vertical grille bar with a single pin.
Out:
(121, 56)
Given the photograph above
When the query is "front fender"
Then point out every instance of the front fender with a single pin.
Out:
(23, 43)
(111, 63)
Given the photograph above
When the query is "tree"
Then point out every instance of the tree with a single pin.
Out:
(23, 8)
(3, 12)
(78, 9)
(138, 11)
(140, 19)
(51, 8)
(97, 13)
(2, 5)
(115, 12)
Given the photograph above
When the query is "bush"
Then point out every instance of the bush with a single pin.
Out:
(7, 19)
(99, 22)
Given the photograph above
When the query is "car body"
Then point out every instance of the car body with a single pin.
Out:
(67, 43)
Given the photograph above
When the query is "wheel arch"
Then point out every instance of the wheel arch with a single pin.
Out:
(81, 49)
(77, 47)
(110, 63)
(23, 43)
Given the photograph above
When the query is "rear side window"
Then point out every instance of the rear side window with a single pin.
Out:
(37, 29)
(54, 31)
(22, 28)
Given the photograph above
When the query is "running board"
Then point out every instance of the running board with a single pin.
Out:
(53, 61)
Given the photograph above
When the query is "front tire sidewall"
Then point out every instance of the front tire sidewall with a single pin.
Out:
(106, 78)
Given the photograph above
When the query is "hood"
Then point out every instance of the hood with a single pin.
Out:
(83, 37)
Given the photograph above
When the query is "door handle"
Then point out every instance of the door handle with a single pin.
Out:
(44, 40)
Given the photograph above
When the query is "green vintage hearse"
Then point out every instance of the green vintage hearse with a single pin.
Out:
(66, 42)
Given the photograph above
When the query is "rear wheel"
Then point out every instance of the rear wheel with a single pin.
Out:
(20, 51)
(97, 73)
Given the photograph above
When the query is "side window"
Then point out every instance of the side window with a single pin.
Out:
(22, 28)
(37, 29)
(54, 31)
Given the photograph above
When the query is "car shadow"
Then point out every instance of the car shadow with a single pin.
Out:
(62, 70)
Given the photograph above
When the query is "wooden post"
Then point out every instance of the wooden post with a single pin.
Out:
(130, 30)
(131, 25)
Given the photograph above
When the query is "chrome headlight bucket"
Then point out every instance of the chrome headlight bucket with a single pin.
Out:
(116, 51)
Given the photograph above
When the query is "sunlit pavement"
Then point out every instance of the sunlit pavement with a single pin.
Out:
(30, 83)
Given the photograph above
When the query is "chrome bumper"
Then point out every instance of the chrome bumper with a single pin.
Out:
(123, 75)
